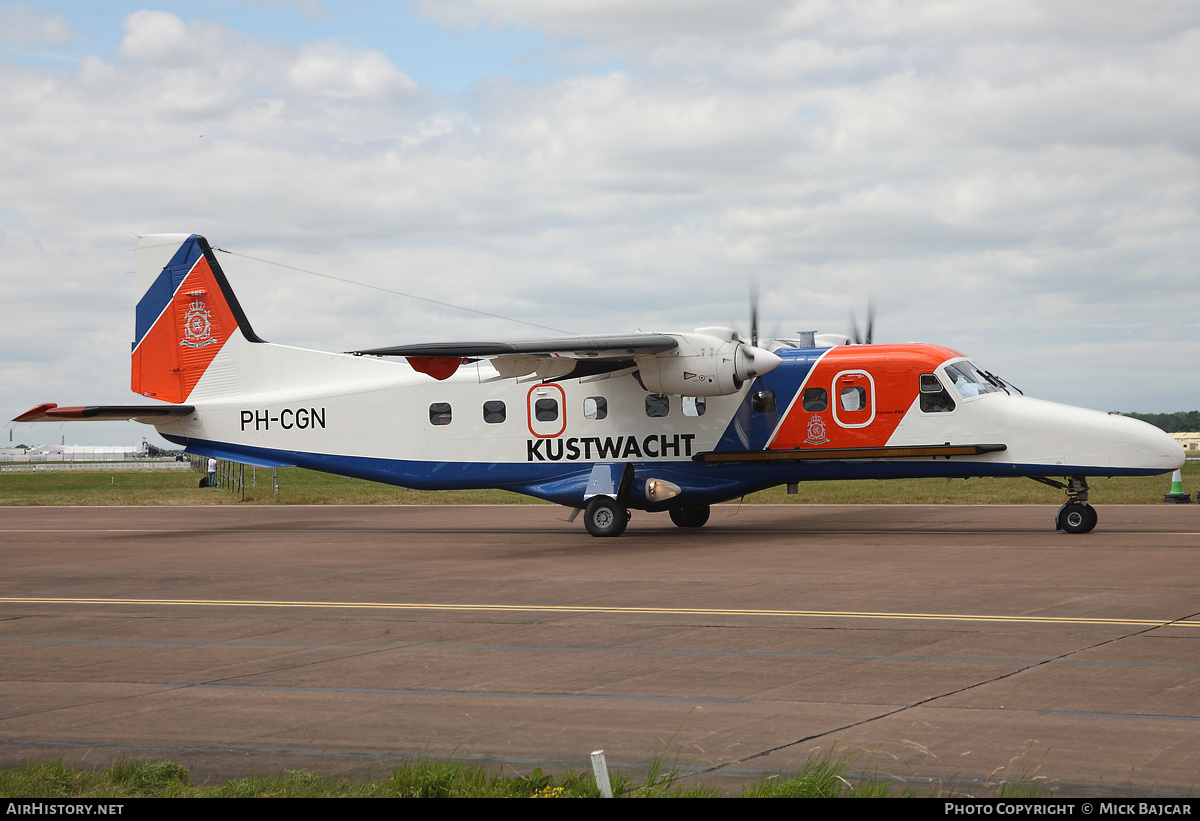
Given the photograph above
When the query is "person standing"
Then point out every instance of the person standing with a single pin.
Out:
(212, 472)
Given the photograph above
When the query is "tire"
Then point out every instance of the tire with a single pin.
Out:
(605, 516)
(690, 515)
(1074, 517)
(1093, 517)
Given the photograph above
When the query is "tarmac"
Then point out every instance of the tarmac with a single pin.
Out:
(951, 647)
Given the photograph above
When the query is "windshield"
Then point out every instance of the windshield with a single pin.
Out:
(970, 381)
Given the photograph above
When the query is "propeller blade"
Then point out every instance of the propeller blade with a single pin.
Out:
(870, 317)
(754, 314)
(869, 335)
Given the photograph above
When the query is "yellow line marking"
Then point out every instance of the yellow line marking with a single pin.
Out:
(663, 611)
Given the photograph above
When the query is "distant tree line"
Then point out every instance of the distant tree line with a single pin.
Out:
(1183, 421)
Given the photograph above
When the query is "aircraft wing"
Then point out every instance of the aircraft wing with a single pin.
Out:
(599, 354)
(575, 347)
(50, 412)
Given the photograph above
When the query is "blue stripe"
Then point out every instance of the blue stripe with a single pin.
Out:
(566, 482)
(159, 295)
(750, 431)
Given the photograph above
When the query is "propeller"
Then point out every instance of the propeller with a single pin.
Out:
(754, 314)
(864, 339)
(750, 360)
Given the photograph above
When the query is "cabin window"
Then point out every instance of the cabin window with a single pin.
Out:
(763, 401)
(494, 412)
(595, 407)
(439, 413)
(934, 397)
(814, 399)
(855, 406)
(545, 410)
(693, 405)
(854, 398)
(657, 405)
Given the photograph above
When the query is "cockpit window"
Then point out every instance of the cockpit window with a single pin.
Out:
(970, 381)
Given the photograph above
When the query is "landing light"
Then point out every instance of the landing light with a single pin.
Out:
(659, 490)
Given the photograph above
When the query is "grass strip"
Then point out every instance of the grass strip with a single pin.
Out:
(823, 776)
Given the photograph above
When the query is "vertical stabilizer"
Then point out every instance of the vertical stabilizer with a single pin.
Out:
(185, 316)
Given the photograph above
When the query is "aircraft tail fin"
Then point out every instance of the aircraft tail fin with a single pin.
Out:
(186, 315)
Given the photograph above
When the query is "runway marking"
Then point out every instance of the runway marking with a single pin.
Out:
(236, 644)
(1122, 715)
(475, 693)
(574, 609)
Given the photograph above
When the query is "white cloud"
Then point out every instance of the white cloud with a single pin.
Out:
(22, 26)
(166, 41)
(324, 68)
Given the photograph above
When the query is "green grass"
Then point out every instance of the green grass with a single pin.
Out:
(419, 779)
(821, 777)
(179, 487)
(825, 778)
(306, 487)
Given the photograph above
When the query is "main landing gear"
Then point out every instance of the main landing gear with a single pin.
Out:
(605, 516)
(1076, 516)
(690, 515)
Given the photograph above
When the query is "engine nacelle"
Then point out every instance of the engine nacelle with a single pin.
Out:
(704, 365)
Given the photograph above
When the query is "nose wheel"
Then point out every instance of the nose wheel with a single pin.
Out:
(1076, 517)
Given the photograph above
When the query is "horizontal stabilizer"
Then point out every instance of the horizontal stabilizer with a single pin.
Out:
(50, 412)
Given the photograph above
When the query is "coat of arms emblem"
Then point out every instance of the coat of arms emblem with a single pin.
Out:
(197, 326)
(816, 431)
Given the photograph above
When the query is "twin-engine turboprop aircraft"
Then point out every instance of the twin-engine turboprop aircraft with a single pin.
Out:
(670, 422)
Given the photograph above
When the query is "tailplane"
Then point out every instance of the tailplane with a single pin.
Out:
(185, 317)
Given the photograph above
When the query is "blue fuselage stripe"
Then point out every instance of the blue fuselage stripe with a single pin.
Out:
(566, 483)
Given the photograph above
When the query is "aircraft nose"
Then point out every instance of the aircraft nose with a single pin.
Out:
(1148, 445)
(1060, 435)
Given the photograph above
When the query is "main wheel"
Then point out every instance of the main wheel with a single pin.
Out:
(605, 516)
(690, 515)
(1075, 517)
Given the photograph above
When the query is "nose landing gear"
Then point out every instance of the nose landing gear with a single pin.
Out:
(1076, 516)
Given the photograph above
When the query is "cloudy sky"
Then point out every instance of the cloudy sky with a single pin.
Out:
(1017, 180)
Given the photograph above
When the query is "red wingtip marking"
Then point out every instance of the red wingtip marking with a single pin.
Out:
(50, 410)
(34, 414)
(439, 367)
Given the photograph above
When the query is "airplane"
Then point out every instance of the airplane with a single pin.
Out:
(656, 422)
